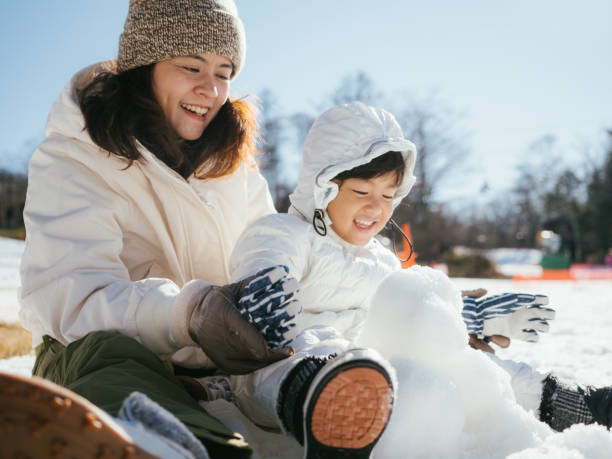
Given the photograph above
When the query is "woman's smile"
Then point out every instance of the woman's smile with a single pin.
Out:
(196, 110)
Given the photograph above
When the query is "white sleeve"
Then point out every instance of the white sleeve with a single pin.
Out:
(527, 382)
(277, 239)
(73, 280)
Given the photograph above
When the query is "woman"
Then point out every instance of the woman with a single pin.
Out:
(136, 198)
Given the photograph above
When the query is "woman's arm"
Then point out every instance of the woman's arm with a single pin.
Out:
(73, 279)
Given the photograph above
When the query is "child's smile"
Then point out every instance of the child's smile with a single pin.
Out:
(364, 225)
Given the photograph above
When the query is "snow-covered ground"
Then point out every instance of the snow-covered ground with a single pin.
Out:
(459, 406)
(10, 255)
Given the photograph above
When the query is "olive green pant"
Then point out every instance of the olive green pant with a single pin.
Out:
(105, 367)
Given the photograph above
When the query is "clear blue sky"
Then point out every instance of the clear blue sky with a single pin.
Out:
(514, 70)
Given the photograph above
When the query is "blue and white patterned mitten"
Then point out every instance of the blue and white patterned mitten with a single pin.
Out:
(267, 302)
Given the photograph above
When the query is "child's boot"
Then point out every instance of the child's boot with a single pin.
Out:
(338, 406)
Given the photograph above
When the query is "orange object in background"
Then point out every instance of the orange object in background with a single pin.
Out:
(404, 253)
(548, 274)
(557, 274)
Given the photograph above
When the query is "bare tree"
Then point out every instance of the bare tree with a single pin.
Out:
(356, 87)
(441, 144)
(271, 125)
(442, 153)
(301, 123)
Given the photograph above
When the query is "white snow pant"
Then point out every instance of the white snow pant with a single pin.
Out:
(257, 393)
(527, 383)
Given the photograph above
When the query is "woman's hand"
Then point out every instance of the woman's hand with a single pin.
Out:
(227, 338)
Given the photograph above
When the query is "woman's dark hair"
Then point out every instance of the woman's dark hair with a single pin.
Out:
(392, 161)
(120, 109)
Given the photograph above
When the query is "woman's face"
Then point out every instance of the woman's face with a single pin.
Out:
(191, 90)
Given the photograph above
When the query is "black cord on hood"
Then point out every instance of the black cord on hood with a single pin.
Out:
(397, 227)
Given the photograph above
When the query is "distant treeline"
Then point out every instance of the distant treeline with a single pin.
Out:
(12, 198)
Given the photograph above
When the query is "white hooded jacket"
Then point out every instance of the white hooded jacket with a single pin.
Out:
(336, 278)
(111, 247)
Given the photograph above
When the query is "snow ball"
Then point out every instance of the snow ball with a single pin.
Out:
(414, 313)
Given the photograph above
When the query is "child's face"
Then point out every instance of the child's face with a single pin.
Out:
(362, 207)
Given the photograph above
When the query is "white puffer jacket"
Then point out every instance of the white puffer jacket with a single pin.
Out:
(337, 279)
(127, 249)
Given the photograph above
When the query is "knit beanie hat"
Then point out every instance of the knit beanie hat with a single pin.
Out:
(156, 30)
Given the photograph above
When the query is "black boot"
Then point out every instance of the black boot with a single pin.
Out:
(564, 405)
(337, 407)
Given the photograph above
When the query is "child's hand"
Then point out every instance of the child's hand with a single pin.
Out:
(267, 302)
(483, 344)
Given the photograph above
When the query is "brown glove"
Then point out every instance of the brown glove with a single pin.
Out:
(229, 340)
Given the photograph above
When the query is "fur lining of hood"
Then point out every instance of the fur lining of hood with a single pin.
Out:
(340, 139)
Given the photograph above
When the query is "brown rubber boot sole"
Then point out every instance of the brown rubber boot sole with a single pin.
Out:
(350, 411)
(41, 419)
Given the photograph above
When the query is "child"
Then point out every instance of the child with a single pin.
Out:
(338, 264)
(355, 170)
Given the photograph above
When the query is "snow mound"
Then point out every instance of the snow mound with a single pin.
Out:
(454, 401)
